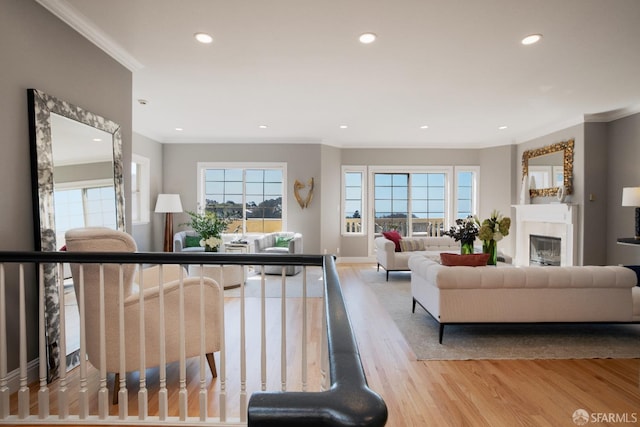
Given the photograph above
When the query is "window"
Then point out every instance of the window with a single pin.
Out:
(140, 175)
(413, 203)
(353, 209)
(466, 191)
(250, 194)
(415, 200)
(84, 204)
(427, 202)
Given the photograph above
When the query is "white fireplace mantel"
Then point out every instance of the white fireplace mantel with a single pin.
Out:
(554, 220)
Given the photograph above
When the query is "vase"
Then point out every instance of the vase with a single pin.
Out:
(490, 247)
(210, 248)
(466, 247)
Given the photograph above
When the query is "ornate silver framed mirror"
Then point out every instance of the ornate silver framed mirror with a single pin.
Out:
(77, 181)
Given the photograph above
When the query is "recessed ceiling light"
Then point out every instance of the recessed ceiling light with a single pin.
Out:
(424, 127)
(263, 126)
(203, 38)
(179, 129)
(531, 39)
(367, 38)
(502, 127)
(97, 139)
(343, 126)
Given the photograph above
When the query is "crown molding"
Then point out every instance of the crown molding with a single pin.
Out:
(609, 116)
(235, 140)
(83, 25)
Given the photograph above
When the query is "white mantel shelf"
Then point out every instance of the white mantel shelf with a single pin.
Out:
(552, 219)
(564, 213)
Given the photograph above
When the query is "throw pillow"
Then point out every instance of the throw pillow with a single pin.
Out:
(410, 245)
(470, 260)
(283, 242)
(395, 237)
(192, 241)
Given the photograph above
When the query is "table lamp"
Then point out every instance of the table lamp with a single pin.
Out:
(631, 197)
(168, 204)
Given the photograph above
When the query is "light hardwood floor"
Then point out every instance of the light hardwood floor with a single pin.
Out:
(446, 393)
(484, 392)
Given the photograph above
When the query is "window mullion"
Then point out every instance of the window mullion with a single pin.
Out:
(244, 200)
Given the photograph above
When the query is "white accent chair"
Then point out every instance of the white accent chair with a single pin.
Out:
(99, 239)
(268, 244)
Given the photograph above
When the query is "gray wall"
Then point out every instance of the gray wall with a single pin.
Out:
(496, 172)
(498, 181)
(594, 252)
(303, 162)
(331, 200)
(623, 147)
(39, 51)
(83, 172)
(149, 235)
(606, 160)
(576, 133)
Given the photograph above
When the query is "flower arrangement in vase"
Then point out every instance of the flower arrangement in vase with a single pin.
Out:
(210, 228)
(492, 230)
(465, 231)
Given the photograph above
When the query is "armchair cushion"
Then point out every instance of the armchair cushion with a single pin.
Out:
(180, 242)
(395, 237)
(192, 241)
(282, 242)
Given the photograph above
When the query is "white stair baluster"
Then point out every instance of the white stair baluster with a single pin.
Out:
(43, 392)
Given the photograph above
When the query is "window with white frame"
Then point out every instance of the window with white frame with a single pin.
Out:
(140, 177)
(84, 204)
(353, 200)
(466, 191)
(412, 202)
(250, 194)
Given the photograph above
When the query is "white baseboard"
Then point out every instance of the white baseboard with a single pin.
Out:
(13, 377)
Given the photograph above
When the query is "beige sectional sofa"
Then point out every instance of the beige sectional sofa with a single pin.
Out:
(524, 294)
(391, 260)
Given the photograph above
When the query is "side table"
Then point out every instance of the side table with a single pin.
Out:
(236, 247)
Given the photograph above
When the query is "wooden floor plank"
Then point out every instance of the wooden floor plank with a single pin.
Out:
(419, 393)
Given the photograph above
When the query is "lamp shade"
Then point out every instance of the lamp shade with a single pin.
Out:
(168, 203)
(631, 196)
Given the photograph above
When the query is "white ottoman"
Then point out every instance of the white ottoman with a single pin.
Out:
(229, 276)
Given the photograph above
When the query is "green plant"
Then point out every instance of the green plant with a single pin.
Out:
(207, 224)
(495, 227)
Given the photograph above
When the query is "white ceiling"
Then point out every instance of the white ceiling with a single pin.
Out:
(297, 66)
(71, 139)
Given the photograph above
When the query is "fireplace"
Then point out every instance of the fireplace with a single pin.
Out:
(554, 220)
(544, 250)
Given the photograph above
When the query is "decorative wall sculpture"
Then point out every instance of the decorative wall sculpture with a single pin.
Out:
(297, 186)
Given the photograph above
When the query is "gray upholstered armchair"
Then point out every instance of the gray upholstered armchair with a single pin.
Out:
(280, 243)
(181, 244)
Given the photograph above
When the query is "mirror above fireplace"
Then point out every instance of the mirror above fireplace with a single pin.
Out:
(552, 168)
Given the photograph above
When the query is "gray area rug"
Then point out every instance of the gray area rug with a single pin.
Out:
(509, 341)
(273, 285)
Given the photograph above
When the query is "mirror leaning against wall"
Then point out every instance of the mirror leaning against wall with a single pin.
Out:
(77, 181)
